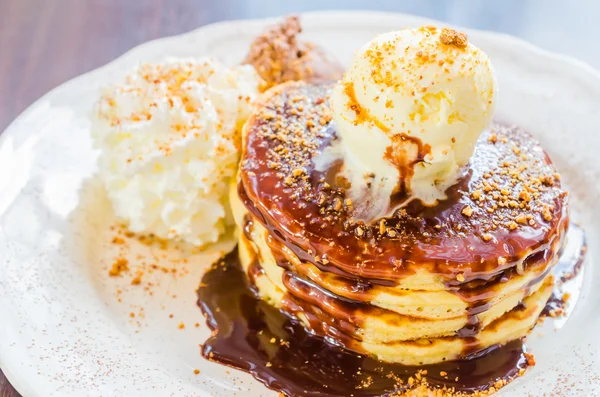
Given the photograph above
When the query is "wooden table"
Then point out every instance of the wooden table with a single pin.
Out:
(44, 43)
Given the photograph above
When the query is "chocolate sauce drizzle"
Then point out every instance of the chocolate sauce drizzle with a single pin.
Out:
(396, 154)
(251, 335)
(255, 337)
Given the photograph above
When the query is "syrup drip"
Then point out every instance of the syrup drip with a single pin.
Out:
(251, 335)
(297, 363)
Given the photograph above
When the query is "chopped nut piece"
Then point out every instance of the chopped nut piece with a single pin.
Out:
(467, 211)
(530, 358)
(382, 226)
(452, 37)
(547, 214)
(547, 180)
(337, 204)
(525, 196)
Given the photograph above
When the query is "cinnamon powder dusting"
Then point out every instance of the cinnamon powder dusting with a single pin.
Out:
(143, 262)
(118, 267)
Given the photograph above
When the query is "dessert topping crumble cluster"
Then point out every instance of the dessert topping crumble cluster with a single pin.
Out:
(279, 55)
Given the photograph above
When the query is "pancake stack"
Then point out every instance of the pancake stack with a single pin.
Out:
(422, 286)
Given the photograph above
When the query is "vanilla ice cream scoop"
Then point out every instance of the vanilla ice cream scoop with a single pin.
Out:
(409, 111)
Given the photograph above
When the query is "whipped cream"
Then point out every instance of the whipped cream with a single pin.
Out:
(409, 112)
(169, 137)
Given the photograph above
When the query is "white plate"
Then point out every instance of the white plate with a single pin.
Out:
(63, 331)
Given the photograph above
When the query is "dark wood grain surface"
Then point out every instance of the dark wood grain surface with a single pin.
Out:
(46, 42)
(6, 390)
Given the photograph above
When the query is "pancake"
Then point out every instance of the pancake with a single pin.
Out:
(422, 351)
(425, 285)
(377, 322)
(420, 304)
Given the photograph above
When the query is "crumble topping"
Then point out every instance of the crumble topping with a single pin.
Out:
(452, 37)
(279, 55)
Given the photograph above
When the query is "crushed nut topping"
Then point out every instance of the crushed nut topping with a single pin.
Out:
(278, 55)
(452, 37)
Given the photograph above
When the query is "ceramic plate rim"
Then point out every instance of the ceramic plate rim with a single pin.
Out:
(25, 383)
